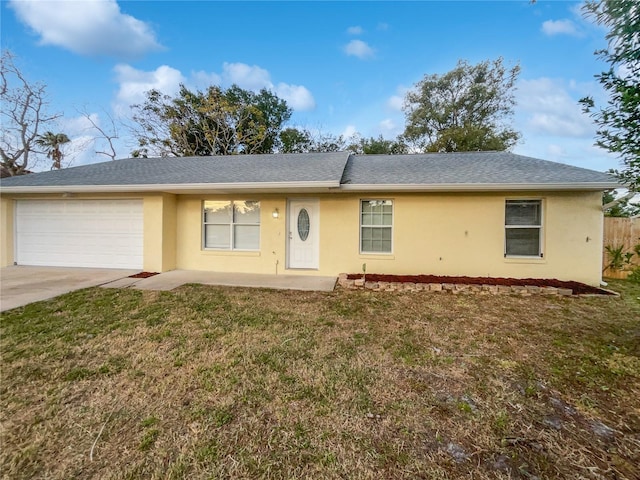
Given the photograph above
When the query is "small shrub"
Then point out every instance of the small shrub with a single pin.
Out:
(634, 276)
(618, 258)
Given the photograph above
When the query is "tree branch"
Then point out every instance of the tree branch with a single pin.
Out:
(615, 202)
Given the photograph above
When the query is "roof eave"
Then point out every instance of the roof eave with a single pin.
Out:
(318, 186)
(176, 188)
(480, 187)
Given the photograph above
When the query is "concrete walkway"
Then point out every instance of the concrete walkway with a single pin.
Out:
(21, 285)
(175, 278)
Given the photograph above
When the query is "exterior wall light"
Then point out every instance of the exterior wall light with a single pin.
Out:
(275, 213)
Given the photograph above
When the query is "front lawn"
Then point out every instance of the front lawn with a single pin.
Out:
(213, 382)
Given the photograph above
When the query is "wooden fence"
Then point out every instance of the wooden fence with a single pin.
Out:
(620, 231)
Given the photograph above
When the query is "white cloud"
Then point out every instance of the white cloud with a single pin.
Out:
(355, 30)
(387, 125)
(201, 79)
(79, 125)
(560, 27)
(550, 109)
(349, 131)
(388, 128)
(134, 83)
(253, 77)
(395, 102)
(358, 48)
(88, 27)
(81, 151)
(383, 26)
(87, 144)
(296, 96)
(553, 125)
(250, 77)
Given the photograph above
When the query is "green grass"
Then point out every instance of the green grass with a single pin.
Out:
(210, 382)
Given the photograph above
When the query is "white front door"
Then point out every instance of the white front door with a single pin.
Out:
(304, 233)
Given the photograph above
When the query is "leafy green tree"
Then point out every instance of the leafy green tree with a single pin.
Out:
(379, 145)
(327, 142)
(466, 109)
(622, 207)
(618, 121)
(213, 122)
(52, 142)
(301, 140)
(260, 120)
(294, 140)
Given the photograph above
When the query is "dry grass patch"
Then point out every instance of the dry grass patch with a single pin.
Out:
(208, 382)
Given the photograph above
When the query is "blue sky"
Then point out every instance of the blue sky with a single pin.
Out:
(343, 66)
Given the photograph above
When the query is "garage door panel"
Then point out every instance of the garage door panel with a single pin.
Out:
(80, 233)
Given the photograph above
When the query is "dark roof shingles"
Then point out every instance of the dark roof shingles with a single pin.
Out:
(464, 168)
(339, 167)
(295, 168)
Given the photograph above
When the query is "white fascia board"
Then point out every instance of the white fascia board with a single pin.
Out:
(478, 187)
(165, 187)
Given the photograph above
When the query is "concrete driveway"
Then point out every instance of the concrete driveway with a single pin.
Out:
(21, 285)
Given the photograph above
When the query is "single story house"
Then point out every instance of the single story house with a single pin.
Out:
(476, 214)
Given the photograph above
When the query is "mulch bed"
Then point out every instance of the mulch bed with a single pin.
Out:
(577, 287)
(144, 275)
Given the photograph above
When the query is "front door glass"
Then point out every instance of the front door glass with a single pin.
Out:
(303, 224)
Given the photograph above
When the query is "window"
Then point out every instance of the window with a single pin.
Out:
(523, 228)
(376, 220)
(231, 225)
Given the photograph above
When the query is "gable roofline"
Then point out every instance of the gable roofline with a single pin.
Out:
(269, 171)
(318, 172)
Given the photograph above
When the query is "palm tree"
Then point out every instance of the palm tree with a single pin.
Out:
(51, 142)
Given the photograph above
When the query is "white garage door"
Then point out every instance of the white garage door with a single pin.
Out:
(79, 233)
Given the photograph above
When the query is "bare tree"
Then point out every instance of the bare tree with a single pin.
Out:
(105, 134)
(23, 113)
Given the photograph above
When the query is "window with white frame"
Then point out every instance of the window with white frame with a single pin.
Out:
(376, 226)
(231, 225)
(523, 228)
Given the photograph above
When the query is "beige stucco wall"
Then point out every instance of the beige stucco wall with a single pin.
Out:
(159, 213)
(444, 234)
(464, 235)
(270, 259)
(6, 231)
